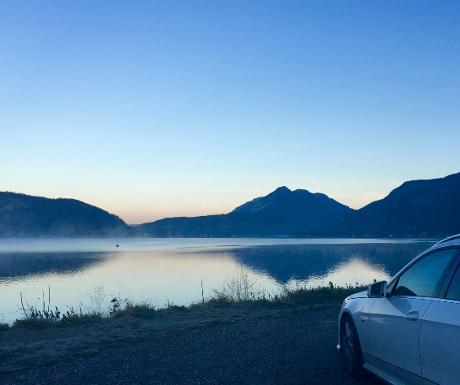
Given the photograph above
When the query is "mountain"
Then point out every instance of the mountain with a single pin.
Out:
(427, 208)
(416, 208)
(282, 213)
(29, 216)
(231, 225)
(314, 210)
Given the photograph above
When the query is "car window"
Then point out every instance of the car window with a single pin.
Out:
(421, 279)
(454, 288)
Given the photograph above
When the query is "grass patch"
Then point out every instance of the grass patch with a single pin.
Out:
(46, 336)
(80, 319)
(4, 327)
(317, 296)
(138, 311)
(240, 288)
(237, 290)
(33, 323)
(41, 339)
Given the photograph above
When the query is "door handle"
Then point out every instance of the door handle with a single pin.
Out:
(412, 316)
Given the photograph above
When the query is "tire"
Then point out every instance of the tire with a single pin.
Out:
(352, 355)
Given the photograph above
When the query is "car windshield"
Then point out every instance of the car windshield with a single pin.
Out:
(421, 279)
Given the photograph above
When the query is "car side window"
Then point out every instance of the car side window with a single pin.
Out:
(422, 278)
(454, 288)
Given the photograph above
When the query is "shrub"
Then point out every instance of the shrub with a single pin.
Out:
(33, 323)
(237, 288)
(4, 327)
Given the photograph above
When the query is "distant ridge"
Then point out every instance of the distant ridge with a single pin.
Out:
(30, 216)
(233, 225)
(417, 208)
(282, 213)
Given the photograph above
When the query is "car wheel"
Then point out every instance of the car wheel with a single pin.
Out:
(351, 349)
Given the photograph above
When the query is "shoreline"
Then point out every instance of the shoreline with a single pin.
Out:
(35, 341)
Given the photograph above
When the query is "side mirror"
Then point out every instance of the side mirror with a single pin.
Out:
(377, 289)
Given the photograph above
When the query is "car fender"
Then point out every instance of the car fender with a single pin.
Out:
(357, 307)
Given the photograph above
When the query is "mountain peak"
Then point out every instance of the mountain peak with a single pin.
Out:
(282, 189)
(315, 210)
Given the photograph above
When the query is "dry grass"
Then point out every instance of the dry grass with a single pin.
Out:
(237, 289)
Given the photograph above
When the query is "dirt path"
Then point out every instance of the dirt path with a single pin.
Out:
(285, 347)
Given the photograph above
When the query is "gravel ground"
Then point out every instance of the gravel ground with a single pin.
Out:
(287, 347)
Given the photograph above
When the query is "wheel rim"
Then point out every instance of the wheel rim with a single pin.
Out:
(348, 346)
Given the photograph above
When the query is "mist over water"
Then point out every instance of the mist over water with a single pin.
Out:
(162, 271)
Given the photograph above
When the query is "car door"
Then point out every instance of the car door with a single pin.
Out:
(440, 337)
(394, 322)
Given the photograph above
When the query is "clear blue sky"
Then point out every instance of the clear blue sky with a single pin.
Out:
(153, 109)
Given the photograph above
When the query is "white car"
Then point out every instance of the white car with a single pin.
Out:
(407, 331)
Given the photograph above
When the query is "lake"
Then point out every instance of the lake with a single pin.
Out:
(88, 273)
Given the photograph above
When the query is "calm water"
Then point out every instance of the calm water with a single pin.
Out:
(172, 270)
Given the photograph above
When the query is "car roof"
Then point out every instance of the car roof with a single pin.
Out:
(450, 241)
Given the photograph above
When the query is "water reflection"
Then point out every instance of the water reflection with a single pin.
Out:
(351, 273)
(18, 266)
(162, 271)
(301, 262)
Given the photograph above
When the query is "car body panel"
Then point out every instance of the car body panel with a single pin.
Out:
(358, 311)
(440, 342)
(390, 373)
(394, 325)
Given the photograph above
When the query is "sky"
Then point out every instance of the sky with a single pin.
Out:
(154, 109)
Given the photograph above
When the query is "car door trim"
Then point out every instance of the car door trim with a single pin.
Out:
(448, 280)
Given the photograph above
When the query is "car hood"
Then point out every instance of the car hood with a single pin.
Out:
(361, 294)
